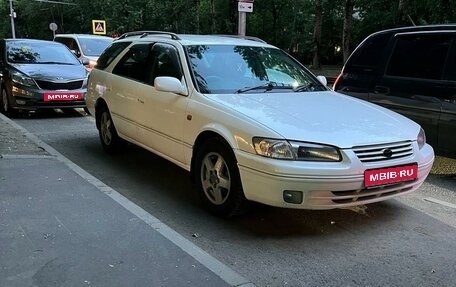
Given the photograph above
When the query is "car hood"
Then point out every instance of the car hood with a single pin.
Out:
(323, 117)
(52, 71)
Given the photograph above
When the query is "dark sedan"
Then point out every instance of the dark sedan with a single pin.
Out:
(38, 74)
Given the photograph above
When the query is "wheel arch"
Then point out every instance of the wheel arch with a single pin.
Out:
(203, 137)
(100, 103)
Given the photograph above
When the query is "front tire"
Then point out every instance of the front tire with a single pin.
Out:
(109, 139)
(218, 180)
(6, 108)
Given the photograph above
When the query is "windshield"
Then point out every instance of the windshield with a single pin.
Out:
(39, 52)
(94, 46)
(222, 69)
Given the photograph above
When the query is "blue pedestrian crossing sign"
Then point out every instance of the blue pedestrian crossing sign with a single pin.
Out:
(99, 27)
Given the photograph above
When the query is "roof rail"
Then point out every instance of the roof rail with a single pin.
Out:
(242, 37)
(143, 34)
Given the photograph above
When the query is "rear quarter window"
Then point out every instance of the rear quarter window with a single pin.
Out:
(110, 54)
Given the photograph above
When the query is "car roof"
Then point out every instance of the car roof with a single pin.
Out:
(30, 40)
(193, 39)
(417, 29)
(82, 36)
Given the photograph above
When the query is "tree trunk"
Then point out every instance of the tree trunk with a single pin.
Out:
(213, 26)
(197, 5)
(317, 34)
(234, 14)
(346, 34)
(445, 7)
(275, 16)
(402, 13)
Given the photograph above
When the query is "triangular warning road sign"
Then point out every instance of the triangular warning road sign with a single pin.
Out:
(99, 28)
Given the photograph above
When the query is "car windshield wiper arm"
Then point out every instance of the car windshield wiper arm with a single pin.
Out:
(57, 63)
(267, 87)
(305, 87)
(310, 87)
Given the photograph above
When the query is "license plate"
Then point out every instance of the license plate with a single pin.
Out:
(59, 96)
(389, 175)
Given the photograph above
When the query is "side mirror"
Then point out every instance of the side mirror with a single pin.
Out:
(77, 53)
(323, 80)
(171, 85)
(85, 61)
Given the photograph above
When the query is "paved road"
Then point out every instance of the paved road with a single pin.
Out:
(60, 226)
(405, 242)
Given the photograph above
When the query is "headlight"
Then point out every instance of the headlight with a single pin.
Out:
(421, 138)
(283, 149)
(273, 148)
(23, 80)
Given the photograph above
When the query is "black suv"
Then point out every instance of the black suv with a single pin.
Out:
(412, 71)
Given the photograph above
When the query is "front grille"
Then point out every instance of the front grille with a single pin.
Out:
(48, 85)
(384, 152)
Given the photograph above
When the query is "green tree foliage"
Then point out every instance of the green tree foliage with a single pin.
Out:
(288, 24)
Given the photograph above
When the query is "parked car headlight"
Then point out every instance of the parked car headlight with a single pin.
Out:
(294, 150)
(421, 138)
(273, 148)
(23, 80)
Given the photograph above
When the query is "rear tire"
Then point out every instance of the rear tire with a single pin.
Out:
(5, 106)
(218, 180)
(109, 139)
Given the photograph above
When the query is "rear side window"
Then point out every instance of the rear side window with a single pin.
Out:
(70, 43)
(451, 65)
(419, 56)
(133, 63)
(110, 54)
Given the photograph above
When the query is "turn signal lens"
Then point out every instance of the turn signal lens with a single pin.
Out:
(421, 139)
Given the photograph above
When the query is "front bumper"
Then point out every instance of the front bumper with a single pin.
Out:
(324, 185)
(33, 99)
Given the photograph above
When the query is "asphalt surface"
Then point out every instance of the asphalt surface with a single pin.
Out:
(59, 226)
(403, 242)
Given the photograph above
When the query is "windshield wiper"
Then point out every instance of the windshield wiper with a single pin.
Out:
(310, 87)
(57, 63)
(267, 87)
(305, 87)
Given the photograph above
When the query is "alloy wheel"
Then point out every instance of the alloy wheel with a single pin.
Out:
(215, 178)
(105, 128)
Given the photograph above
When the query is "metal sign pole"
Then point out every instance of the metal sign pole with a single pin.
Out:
(13, 31)
(244, 7)
(242, 23)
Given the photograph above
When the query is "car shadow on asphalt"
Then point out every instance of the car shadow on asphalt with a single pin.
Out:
(52, 113)
(166, 191)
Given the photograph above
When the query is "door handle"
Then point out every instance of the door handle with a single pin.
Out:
(381, 90)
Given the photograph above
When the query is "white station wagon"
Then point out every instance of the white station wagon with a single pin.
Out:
(250, 123)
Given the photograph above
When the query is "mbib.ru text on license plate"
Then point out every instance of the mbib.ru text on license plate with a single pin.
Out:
(62, 96)
(382, 176)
